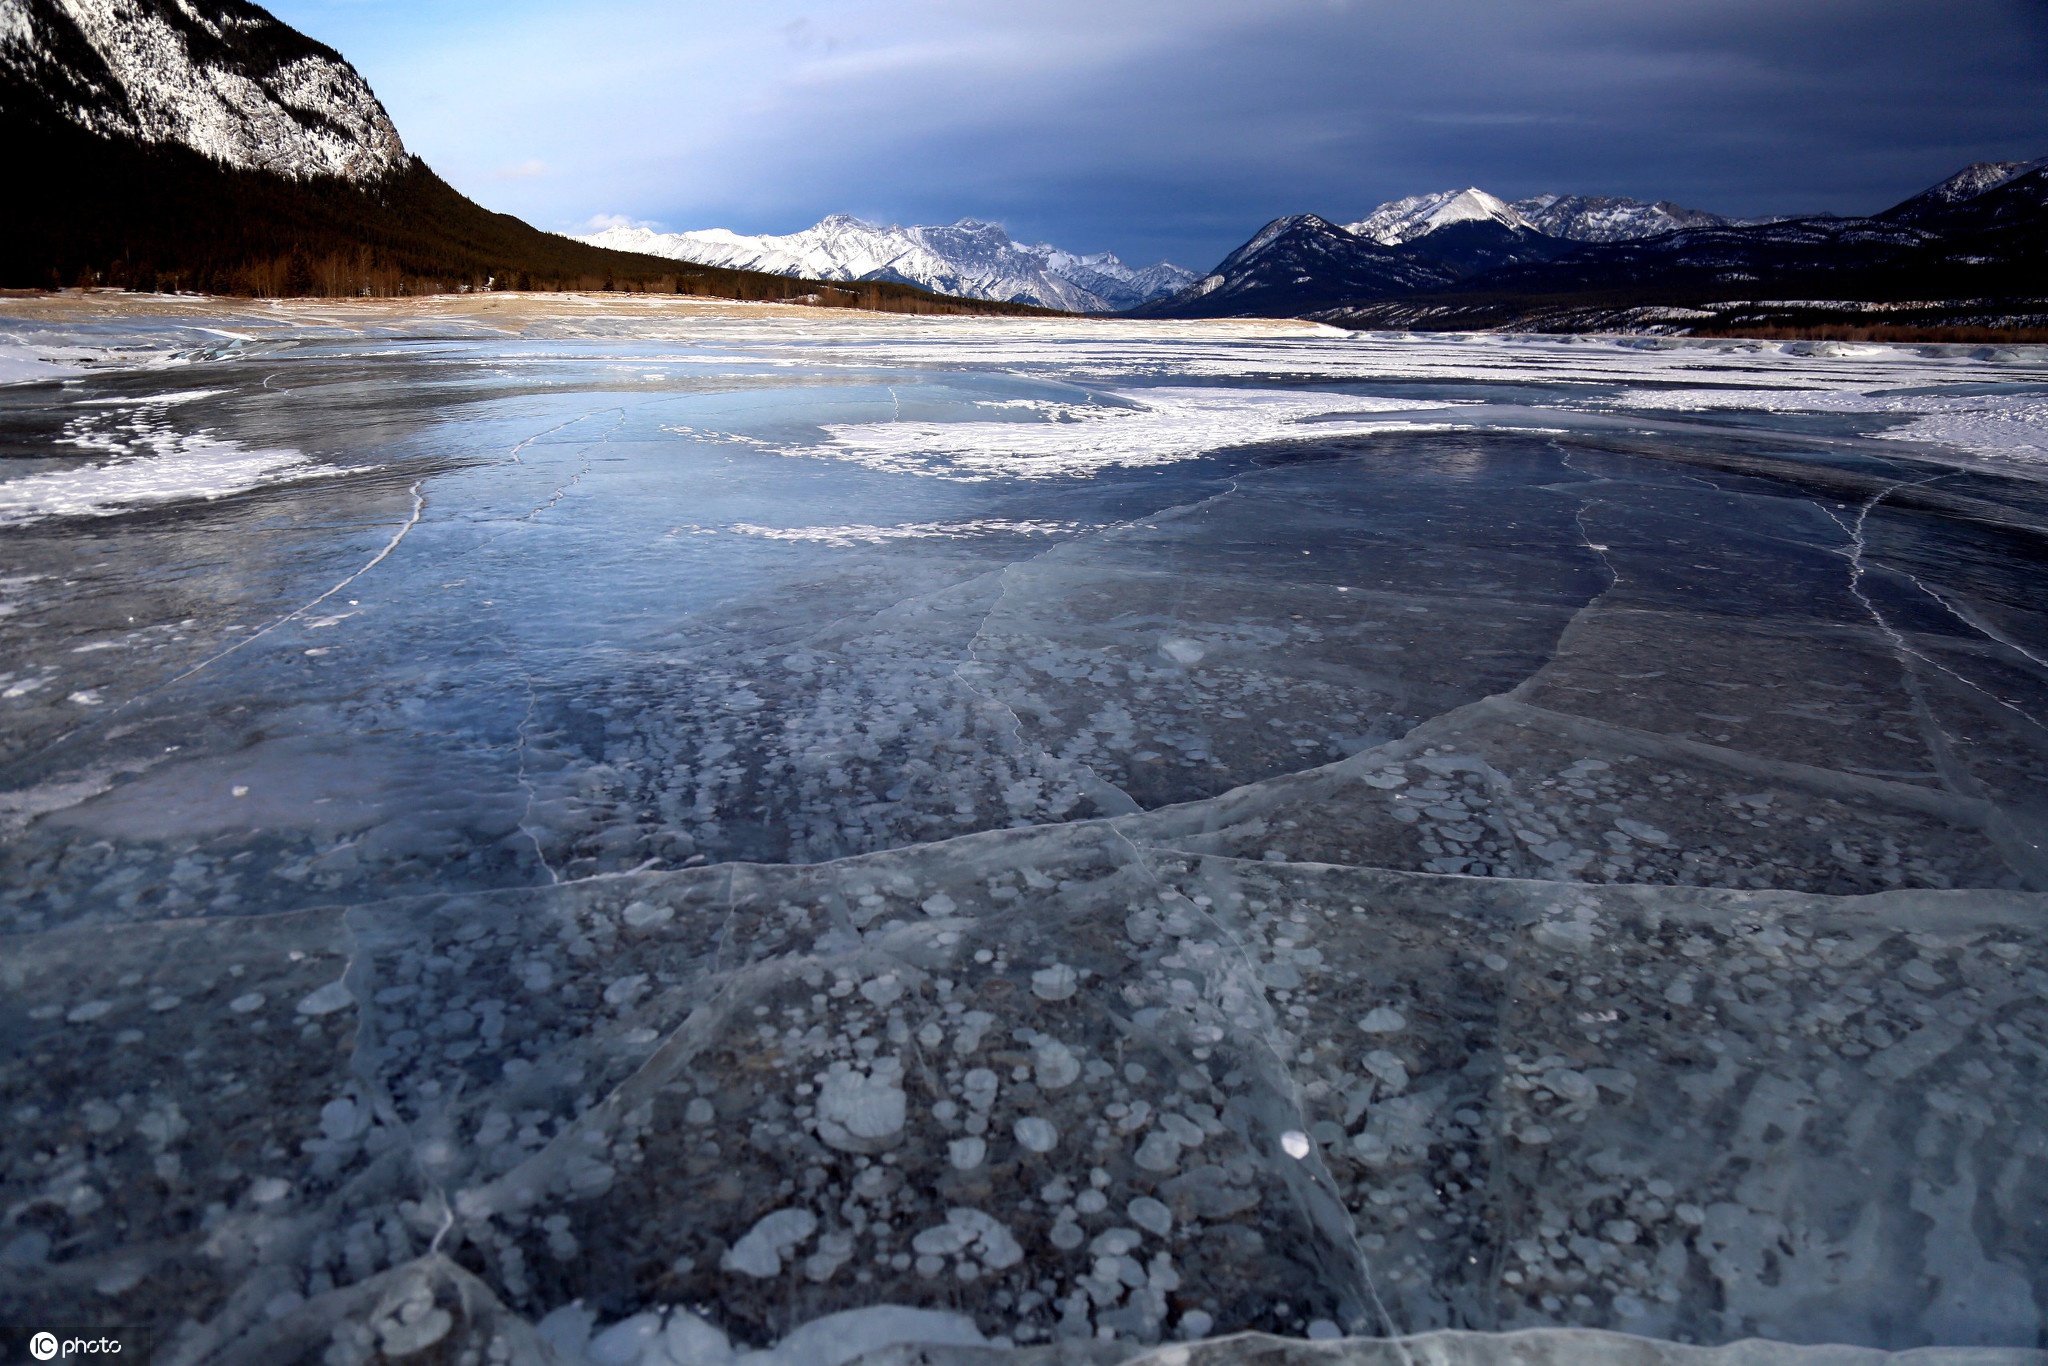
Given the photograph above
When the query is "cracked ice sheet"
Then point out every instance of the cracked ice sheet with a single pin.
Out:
(427, 1109)
(1123, 1092)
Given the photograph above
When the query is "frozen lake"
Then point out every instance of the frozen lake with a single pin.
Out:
(669, 821)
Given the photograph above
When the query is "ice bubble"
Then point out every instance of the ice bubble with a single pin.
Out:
(699, 1112)
(859, 1113)
(1091, 1202)
(967, 1153)
(1151, 1215)
(690, 1341)
(1388, 1068)
(1648, 834)
(1196, 1324)
(1067, 1235)
(1036, 1134)
(1160, 1152)
(160, 1004)
(326, 1000)
(1055, 1066)
(990, 1239)
(1383, 1020)
(1055, 983)
(269, 1190)
(760, 1250)
(1182, 651)
(622, 990)
(939, 904)
(883, 990)
(1922, 975)
(1535, 1135)
(343, 1119)
(93, 1010)
(1679, 993)
(241, 1005)
(1323, 1330)
(1295, 1144)
(642, 914)
(1115, 1242)
(1568, 1084)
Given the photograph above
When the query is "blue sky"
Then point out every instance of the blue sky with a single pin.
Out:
(1175, 129)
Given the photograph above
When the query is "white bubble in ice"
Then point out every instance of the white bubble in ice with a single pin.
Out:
(939, 904)
(1151, 1215)
(248, 1001)
(967, 1153)
(642, 914)
(1055, 1065)
(760, 1250)
(1383, 1020)
(1295, 1144)
(1160, 1152)
(1196, 1324)
(1036, 1134)
(93, 1010)
(1055, 983)
(326, 1000)
(859, 1113)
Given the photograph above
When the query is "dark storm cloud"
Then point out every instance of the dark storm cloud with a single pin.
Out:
(1176, 129)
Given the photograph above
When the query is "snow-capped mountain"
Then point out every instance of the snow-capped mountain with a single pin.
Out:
(1978, 178)
(1603, 218)
(1574, 217)
(970, 259)
(222, 78)
(1977, 233)
(1404, 220)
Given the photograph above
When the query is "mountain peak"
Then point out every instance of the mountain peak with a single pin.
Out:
(1403, 220)
(222, 78)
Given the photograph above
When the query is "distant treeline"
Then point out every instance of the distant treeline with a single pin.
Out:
(89, 210)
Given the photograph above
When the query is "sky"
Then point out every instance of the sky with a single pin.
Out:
(1175, 128)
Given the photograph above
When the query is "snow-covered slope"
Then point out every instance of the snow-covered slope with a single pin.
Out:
(1979, 177)
(1574, 217)
(219, 76)
(1603, 218)
(970, 259)
(1404, 220)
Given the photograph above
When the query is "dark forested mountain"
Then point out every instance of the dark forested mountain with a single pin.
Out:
(1977, 238)
(1299, 264)
(201, 144)
(1294, 265)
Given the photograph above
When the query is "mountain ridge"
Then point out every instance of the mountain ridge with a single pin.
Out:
(968, 258)
(1469, 259)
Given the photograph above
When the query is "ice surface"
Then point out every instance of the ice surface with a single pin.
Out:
(626, 866)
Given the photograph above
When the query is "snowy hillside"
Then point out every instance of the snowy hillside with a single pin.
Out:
(1404, 220)
(1601, 218)
(1574, 217)
(969, 259)
(220, 77)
